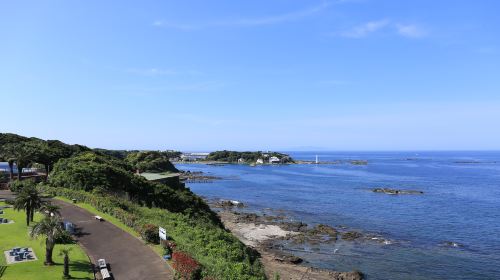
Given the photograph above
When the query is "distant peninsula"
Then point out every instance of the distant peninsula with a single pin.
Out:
(258, 157)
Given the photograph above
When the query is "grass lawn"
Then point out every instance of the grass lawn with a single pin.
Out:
(16, 235)
(111, 219)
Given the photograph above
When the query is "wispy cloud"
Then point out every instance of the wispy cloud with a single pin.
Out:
(371, 27)
(157, 72)
(247, 22)
(366, 28)
(201, 86)
(410, 30)
(151, 71)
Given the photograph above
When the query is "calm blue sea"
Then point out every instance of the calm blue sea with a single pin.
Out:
(4, 167)
(461, 204)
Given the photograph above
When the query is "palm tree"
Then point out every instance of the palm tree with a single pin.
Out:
(29, 200)
(51, 228)
(50, 209)
(65, 252)
(11, 168)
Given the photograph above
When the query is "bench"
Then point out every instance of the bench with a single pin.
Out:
(101, 263)
(105, 274)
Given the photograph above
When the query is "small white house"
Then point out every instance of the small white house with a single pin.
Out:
(274, 160)
(259, 161)
(241, 160)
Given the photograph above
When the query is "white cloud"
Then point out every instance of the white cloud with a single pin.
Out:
(366, 29)
(410, 30)
(247, 22)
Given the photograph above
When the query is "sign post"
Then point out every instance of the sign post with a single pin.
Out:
(162, 233)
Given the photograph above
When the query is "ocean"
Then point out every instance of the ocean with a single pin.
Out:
(461, 204)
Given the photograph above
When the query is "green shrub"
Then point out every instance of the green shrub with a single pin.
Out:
(149, 233)
(18, 185)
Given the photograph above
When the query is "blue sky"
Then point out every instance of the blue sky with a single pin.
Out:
(271, 74)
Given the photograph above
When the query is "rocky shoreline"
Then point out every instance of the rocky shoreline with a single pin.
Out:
(277, 237)
(263, 233)
(197, 177)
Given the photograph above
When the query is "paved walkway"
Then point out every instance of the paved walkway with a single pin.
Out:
(129, 258)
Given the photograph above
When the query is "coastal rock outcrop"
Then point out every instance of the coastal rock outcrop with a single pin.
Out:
(294, 226)
(196, 177)
(395, 191)
(351, 235)
(358, 162)
(228, 204)
(451, 244)
(288, 259)
(352, 275)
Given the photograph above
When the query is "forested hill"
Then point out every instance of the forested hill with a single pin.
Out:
(248, 157)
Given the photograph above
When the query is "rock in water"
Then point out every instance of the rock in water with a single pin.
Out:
(353, 275)
(395, 191)
(351, 235)
(289, 259)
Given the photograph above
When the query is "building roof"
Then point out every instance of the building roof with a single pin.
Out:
(158, 176)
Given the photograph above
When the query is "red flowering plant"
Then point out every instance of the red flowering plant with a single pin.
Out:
(186, 267)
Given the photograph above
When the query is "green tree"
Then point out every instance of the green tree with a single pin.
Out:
(49, 209)
(28, 199)
(11, 161)
(50, 151)
(23, 153)
(65, 253)
(151, 161)
(51, 228)
(6, 142)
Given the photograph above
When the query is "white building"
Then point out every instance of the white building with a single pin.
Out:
(259, 161)
(274, 160)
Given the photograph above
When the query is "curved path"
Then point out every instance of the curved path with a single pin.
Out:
(128, 257)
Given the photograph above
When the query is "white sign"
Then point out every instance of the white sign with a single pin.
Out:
(163, 233)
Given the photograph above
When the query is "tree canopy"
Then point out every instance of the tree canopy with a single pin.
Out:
(152, 161)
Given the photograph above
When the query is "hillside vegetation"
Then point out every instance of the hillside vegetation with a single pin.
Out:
(152, 161)
(234, 156)
(110, 184)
